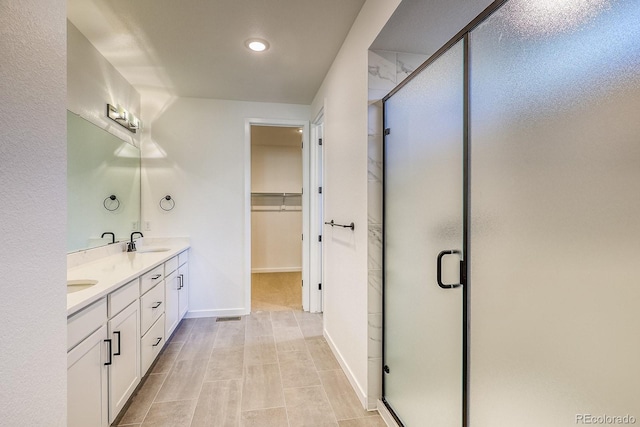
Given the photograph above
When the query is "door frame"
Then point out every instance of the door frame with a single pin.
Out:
(316, 208)
(304, 124)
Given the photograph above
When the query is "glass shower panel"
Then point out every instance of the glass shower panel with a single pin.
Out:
(423, 216)
(555, 214)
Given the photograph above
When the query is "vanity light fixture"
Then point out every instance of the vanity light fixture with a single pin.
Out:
(124, 118)
(257, 45)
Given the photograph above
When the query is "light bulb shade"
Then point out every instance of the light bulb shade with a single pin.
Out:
(257, 45)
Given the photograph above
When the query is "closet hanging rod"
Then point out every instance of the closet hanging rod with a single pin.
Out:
(334, 224)
(275, 194)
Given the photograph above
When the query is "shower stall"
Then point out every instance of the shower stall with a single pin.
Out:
(512, 222)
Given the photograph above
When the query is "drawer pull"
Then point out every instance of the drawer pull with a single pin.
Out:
(118, 353)
(157, 304)
(156, 277)
(157, 342)
(109, 353)
(181, 277)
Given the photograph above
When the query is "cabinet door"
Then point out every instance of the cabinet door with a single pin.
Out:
(87, 391)
(172, 284)
(183, 300)
(124, 375)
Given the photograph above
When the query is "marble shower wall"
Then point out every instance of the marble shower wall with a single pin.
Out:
(386, 70)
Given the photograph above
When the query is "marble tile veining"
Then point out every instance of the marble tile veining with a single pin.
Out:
(375, 247)
(382, 70)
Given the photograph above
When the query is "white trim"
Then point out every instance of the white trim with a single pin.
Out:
(276, 270)
(247, 203)
(362, 396)
(225, 312)
(386, 415)
(315, 214)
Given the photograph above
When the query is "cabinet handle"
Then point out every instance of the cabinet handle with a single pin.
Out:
(156, 277)
(118, 353)
(157, 342)
(180, 280)
(157, 304)
(109, 353)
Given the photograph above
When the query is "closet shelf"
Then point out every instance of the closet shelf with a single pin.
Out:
(276, 201)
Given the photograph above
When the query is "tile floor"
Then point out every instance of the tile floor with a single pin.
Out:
(272, 368)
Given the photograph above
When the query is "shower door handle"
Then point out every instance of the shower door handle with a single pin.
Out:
(439, 269)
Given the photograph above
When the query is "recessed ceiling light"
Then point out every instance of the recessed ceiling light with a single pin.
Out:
(257, 45)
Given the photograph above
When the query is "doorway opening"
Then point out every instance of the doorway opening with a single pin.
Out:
(277, 220)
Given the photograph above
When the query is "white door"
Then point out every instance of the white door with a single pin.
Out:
(124, 372)
(172, 297)
(87, 381)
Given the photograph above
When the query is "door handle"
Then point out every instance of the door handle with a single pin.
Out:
(439, 269)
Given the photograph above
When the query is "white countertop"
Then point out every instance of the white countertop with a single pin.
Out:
(113, 271)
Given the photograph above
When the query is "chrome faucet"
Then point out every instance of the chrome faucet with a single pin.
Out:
(131, 246)
(113, 236)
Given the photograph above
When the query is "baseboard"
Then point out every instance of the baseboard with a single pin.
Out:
(277, 270)
(386, 415)
(194, 314)
(362, 396)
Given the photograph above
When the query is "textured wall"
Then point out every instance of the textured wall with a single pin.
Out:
(33, 360)
(196, 152)
(345, 253)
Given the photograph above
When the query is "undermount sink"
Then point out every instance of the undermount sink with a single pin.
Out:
(151, 249)
(79, 285)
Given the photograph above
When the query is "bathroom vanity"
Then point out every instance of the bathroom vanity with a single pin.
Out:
(121, 310)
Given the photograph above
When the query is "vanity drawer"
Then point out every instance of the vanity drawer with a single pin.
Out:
(82, 324)
(151, 344)
(151, 307)
(171, 266)
(183, 258)
(150, 279)
(121, 298)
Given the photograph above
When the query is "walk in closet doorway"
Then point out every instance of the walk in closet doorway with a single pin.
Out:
(276, 217)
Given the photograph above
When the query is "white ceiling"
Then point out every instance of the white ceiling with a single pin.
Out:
(196, 48)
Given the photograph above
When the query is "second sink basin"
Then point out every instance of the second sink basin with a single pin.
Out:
(79, 285)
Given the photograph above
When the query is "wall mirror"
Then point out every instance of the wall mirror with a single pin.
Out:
(100, 167)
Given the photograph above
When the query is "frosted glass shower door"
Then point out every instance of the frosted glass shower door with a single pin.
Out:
(555, 215)
(423, 217)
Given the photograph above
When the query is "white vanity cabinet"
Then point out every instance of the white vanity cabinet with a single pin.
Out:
(87, 367)
(113, 341)
(124, 372)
